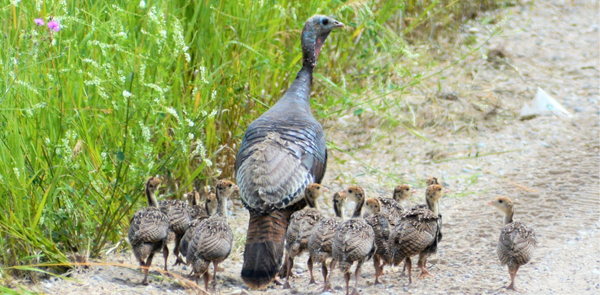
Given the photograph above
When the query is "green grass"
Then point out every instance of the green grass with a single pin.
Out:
(126, 90)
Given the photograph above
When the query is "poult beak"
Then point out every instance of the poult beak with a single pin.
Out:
(446, 191)
(413, 191)
(325, 189)
(490, 203)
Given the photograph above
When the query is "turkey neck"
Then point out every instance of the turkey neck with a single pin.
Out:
(151, 198)
(222, 206)
(339, 211)
(508, 216)
(358, 208)
(312, 202)
(433, 206)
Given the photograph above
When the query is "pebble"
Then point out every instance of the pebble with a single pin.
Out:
(481, 145)
(326, 293)
(579, 109)
(468, 276)
(236, 292)
(545, 144)
(465, 170)
(97, 278)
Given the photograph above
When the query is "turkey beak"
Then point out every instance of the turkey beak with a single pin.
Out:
(338, 24)
(413, 191)
(490, 203)
(325, 190)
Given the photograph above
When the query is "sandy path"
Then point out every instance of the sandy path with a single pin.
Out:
(553, 175)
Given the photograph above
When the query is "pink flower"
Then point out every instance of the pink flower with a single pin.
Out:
(39, 21)
(53, 25)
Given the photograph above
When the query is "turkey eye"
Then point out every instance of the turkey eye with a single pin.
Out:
(500, 201)
(350, 191)
(318, 188)
(325, 21)
(230, 185)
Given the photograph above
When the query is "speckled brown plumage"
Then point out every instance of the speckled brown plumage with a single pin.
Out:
(418, 232)
(179, 221)
(301, 226)
(321, 240)
(517, 241)
(149, 230)
(198, 213)
(379, 221)
(212, 239)
(354, 241)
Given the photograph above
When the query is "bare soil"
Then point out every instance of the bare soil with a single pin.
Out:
(549, 166)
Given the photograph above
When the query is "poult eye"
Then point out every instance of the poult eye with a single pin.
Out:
(325, 21)
(500, 201)
(230, 185)
(350, 191)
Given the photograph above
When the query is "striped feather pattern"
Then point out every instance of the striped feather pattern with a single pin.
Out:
(148, 232)
(353, 241)
(516, 244)
(418, 229)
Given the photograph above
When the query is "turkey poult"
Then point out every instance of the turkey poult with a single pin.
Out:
(198, 213)
(149, 230)
(381, 227)
(354, 241)
(321, 239)
(301, 226)
(517, 241)
(179, 221)
(418, 232)
(211, 240)
(282, 152)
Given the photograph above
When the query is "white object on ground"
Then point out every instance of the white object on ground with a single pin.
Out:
(544, 104)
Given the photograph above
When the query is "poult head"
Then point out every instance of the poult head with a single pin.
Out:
(339, 199)
(432, 180)
(314, 191)
(193, 198)
(152, 183)
(504, 204)
(356, 193)
(225, 188)
(373, 205)
(211, 203)
(402, 192)
(434, 193)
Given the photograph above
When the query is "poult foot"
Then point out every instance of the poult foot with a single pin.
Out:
(425, 273)
(179, 261)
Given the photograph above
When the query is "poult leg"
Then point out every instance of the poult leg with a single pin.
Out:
(377, 266)
(408, 264)
(347, 278)
(214, 279)
(327, 285)
(324, 271)
(513, 274)
(290, 262)
(309, 263)
(166, 255)
(147, 268)
(176, 250)
(206, 278)
(356, 277)
(423, 266)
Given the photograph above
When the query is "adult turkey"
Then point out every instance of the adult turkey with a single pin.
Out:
(282, 152)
